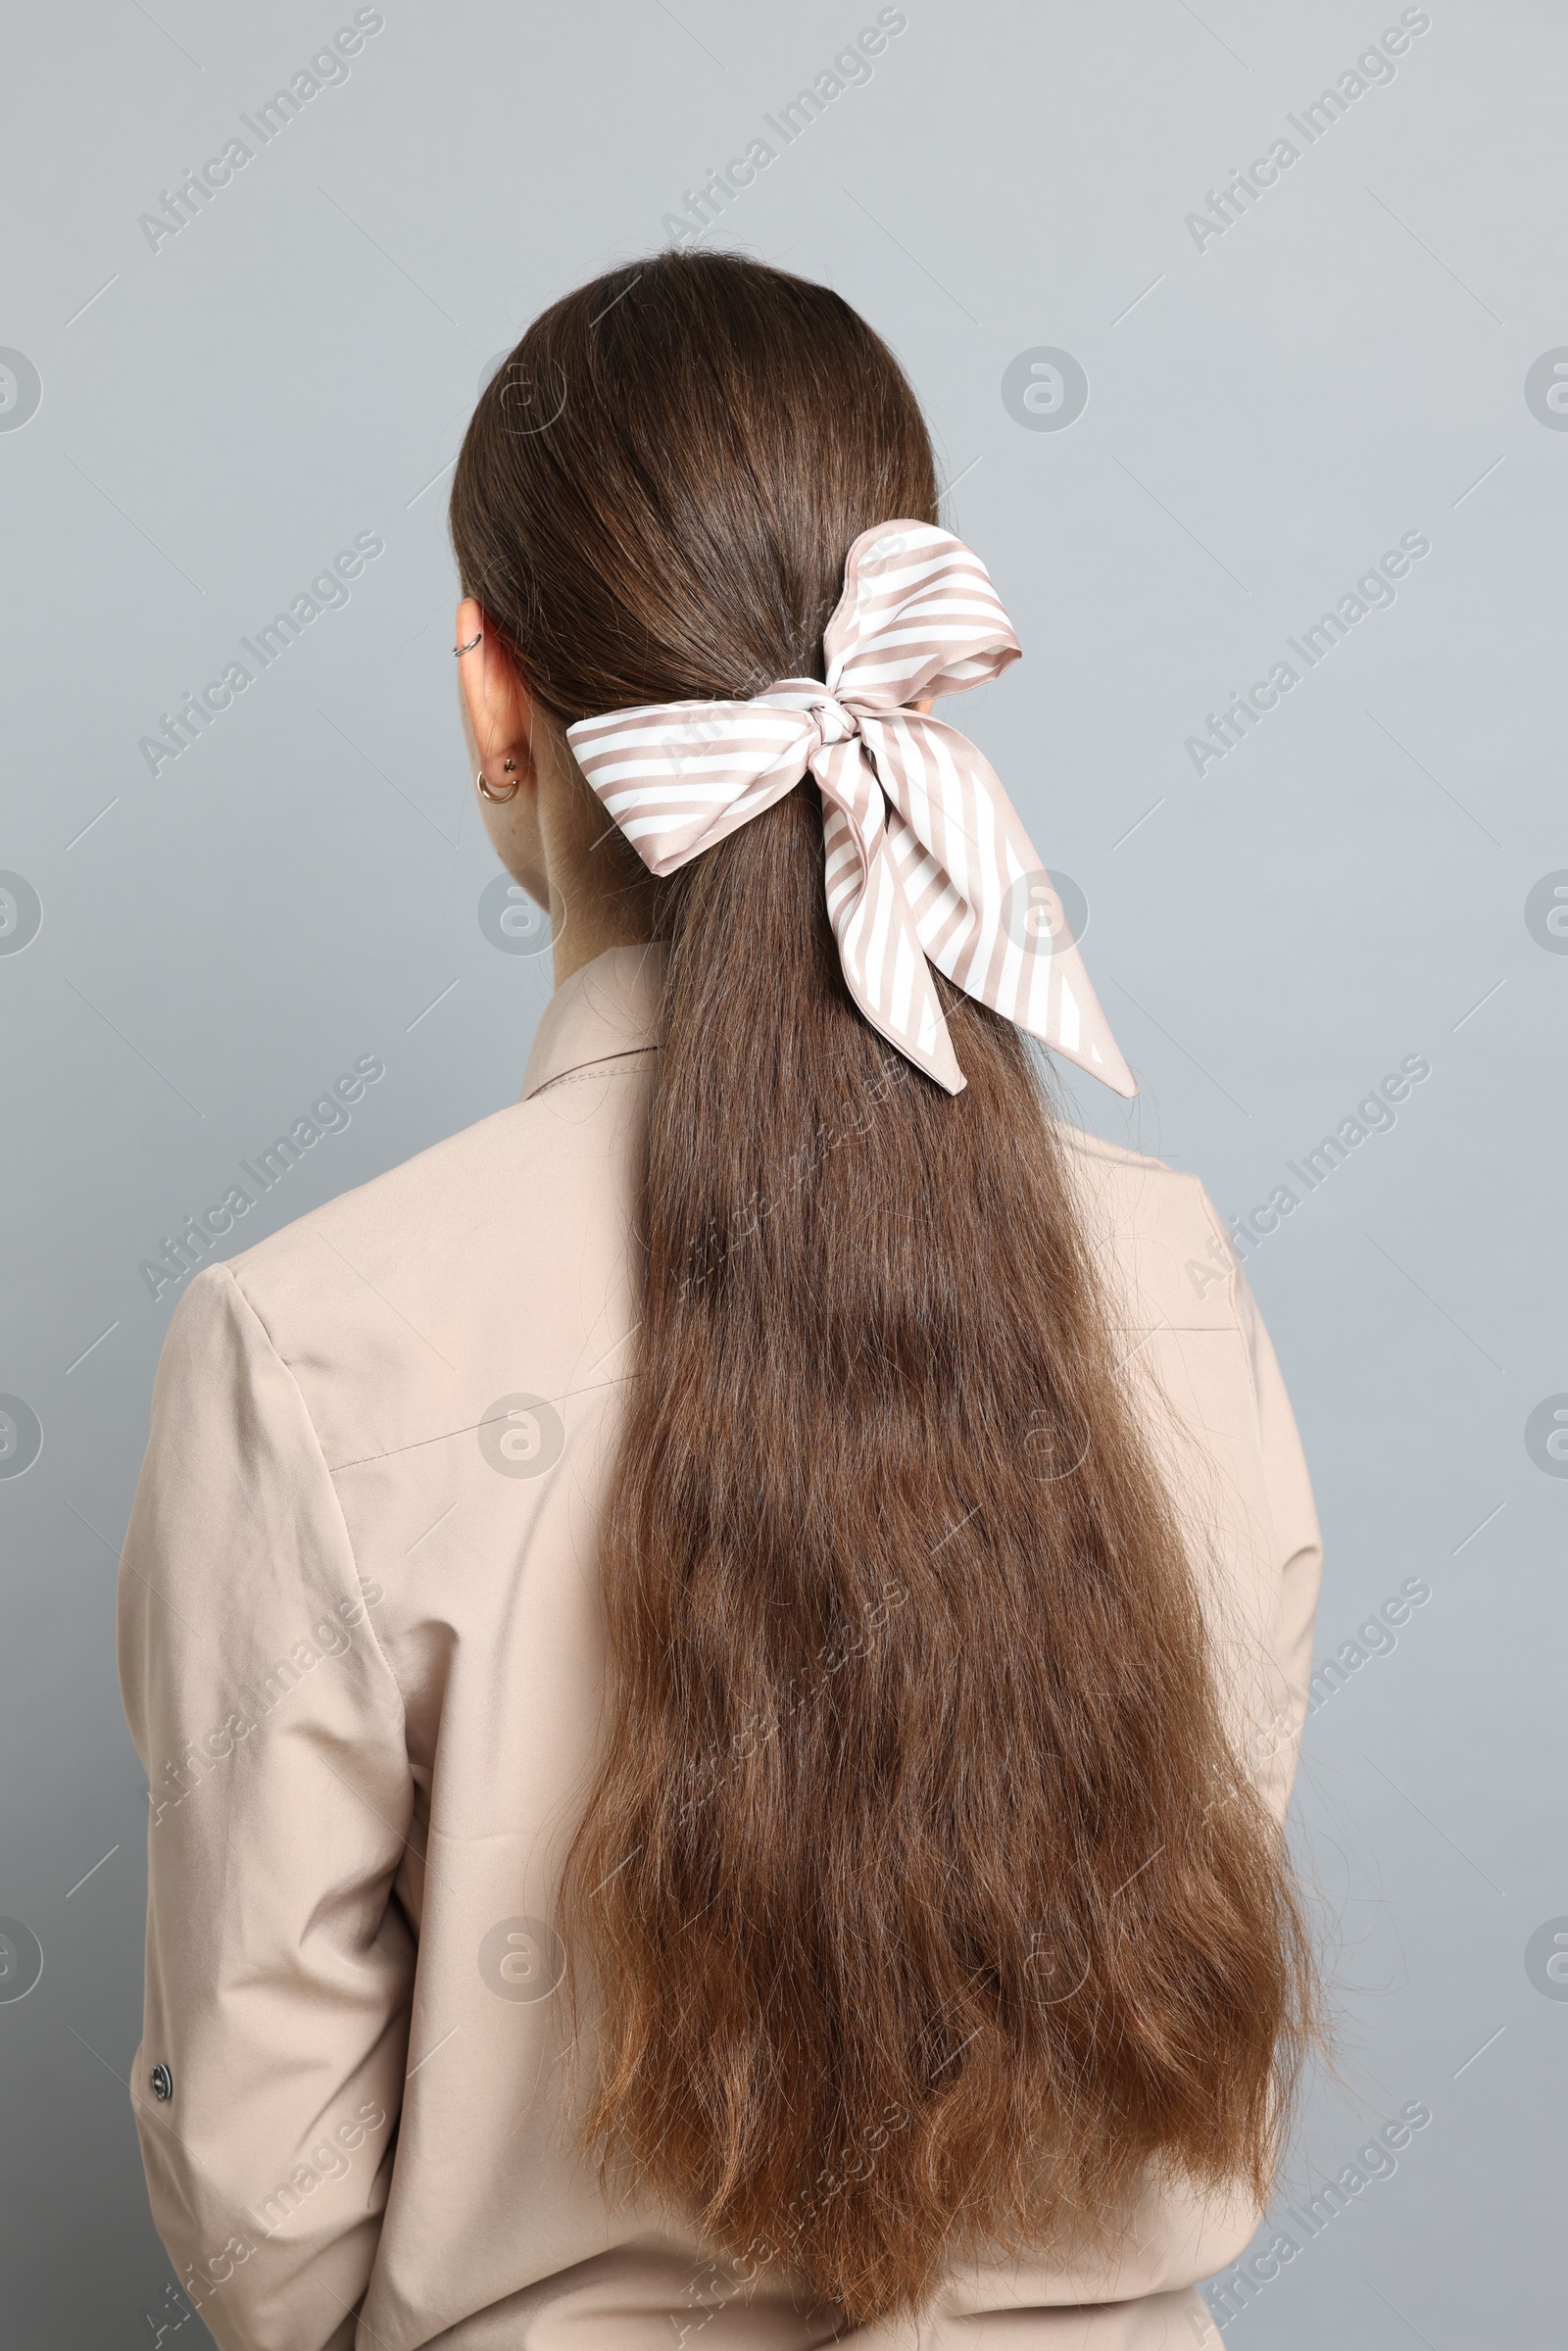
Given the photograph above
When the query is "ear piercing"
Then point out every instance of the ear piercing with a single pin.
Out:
(468, 647)
(489, 791)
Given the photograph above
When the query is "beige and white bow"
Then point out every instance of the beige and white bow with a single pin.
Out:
(926, 858)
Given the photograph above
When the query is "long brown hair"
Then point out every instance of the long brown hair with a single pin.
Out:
(928, 1902)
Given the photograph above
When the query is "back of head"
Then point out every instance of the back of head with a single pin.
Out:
(927, 1902)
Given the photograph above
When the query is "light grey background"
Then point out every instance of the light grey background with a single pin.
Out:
(1266, 415)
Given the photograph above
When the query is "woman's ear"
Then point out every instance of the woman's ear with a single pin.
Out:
(497, 707)
(498, 724)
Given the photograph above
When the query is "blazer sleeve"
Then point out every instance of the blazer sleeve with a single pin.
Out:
(1298, 1551)
(267, 2083)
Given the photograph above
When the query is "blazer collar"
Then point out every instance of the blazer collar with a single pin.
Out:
(607, 1009)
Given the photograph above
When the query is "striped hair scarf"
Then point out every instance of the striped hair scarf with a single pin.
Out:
(926, 858)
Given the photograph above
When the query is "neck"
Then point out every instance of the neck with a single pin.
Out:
(584, 928)
(591, 908)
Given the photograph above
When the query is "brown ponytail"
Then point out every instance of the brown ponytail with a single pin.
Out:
(927, 1901)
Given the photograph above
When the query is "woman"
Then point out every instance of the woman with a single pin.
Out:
(719, 1657)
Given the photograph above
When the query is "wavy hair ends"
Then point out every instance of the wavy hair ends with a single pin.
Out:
(926, 1903)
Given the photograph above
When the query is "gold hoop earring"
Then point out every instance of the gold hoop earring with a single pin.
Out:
(489, 791)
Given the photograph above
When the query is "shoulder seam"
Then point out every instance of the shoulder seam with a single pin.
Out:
(1233, 1277)
(282, 1360)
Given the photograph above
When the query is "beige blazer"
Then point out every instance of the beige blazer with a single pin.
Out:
(360, 1647)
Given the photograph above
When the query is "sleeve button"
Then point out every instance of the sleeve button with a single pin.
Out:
(163, 2081)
